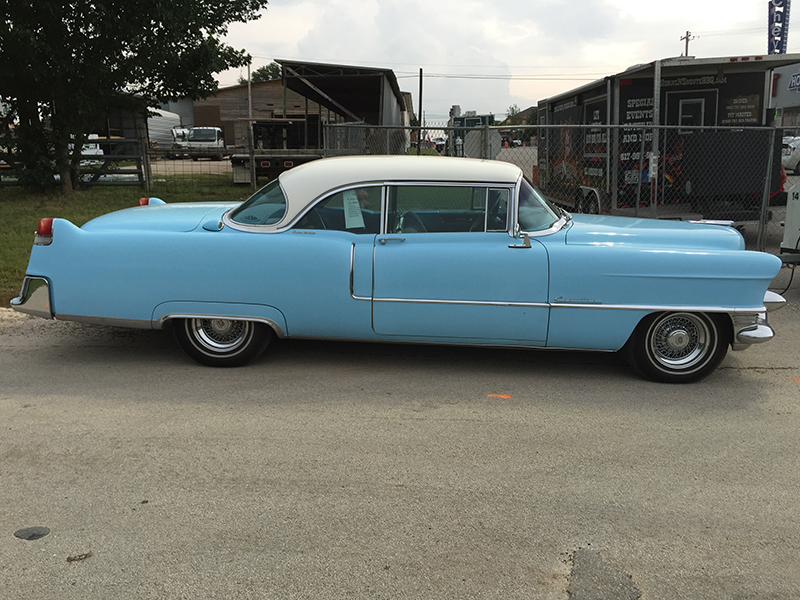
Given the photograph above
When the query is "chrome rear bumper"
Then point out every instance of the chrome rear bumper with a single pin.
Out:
(34, 298)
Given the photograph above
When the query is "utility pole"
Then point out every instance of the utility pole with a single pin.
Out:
(419, 134)
(688, 37)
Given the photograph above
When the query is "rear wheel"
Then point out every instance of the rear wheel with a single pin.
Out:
(678, 347)
(222, 342)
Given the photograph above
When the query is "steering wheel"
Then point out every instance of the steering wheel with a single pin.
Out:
(494, 222)
(479, 223)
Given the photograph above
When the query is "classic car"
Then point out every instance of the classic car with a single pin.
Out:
(408, 249)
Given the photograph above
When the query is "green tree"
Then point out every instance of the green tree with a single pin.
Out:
(66, 64)
(515, 116)
(265, 73)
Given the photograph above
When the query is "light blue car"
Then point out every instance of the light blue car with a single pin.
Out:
(408, 249)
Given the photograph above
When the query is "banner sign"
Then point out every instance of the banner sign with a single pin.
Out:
(794, 83)
(778, 28)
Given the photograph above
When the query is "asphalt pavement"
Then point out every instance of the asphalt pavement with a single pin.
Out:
(343, 470)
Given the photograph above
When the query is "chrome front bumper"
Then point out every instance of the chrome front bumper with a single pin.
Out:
(752, 327)
(34, 299)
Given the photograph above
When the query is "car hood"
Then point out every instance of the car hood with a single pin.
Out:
(593, 230)
(184, 216)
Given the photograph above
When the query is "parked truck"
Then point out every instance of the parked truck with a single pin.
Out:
(278, 145)
(206, 142)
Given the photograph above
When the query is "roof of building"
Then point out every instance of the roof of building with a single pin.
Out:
(345, 89)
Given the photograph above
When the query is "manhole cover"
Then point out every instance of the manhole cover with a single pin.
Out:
(32, 533)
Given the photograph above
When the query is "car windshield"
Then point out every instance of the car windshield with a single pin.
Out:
(265, 207)
(535, 212)
(202, 135)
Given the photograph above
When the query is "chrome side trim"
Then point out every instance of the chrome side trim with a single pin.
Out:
(352, 276)
(722, 222)
(34, 298)
(575, 305)
(460, 302)
(659, 307)
(278, 331)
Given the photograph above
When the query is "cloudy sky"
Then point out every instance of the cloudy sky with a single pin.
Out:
(486, 56)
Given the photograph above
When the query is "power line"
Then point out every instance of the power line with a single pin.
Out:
(544, 77)
(730, 32)
(448, 65)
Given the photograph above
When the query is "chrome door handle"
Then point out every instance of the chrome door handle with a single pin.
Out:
(384, 240)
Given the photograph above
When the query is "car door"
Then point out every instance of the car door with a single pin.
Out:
(446, 268)
(326, 266)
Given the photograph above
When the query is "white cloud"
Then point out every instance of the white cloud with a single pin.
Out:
(526, 50)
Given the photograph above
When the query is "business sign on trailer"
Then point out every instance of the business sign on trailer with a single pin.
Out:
(778, 27)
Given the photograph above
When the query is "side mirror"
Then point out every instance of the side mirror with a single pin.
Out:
(526, 241)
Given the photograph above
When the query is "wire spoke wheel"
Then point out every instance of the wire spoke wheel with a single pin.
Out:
(220, 342)
(678, 347)
(679, 341)
(221, 335)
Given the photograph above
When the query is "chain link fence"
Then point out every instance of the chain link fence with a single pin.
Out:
(668, 172)
(686, 173)
(173, 170)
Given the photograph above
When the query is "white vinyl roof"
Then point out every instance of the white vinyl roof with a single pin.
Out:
(309, 182)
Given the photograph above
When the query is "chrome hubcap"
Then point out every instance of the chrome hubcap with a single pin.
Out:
(680, 340)
(220, 335)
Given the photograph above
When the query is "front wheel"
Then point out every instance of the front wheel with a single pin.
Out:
(678, 347)
(222, 342)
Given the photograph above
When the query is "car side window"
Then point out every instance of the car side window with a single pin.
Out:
(356, 210)
(497, 209)
(266, 207)
(437, 208)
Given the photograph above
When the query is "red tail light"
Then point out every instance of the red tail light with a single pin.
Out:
(150, 201)
(45, 227)
(44, 232)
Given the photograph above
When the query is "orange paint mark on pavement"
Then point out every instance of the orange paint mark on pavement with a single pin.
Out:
(503, 396)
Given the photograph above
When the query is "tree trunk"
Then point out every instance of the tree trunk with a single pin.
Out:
(63, 162)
